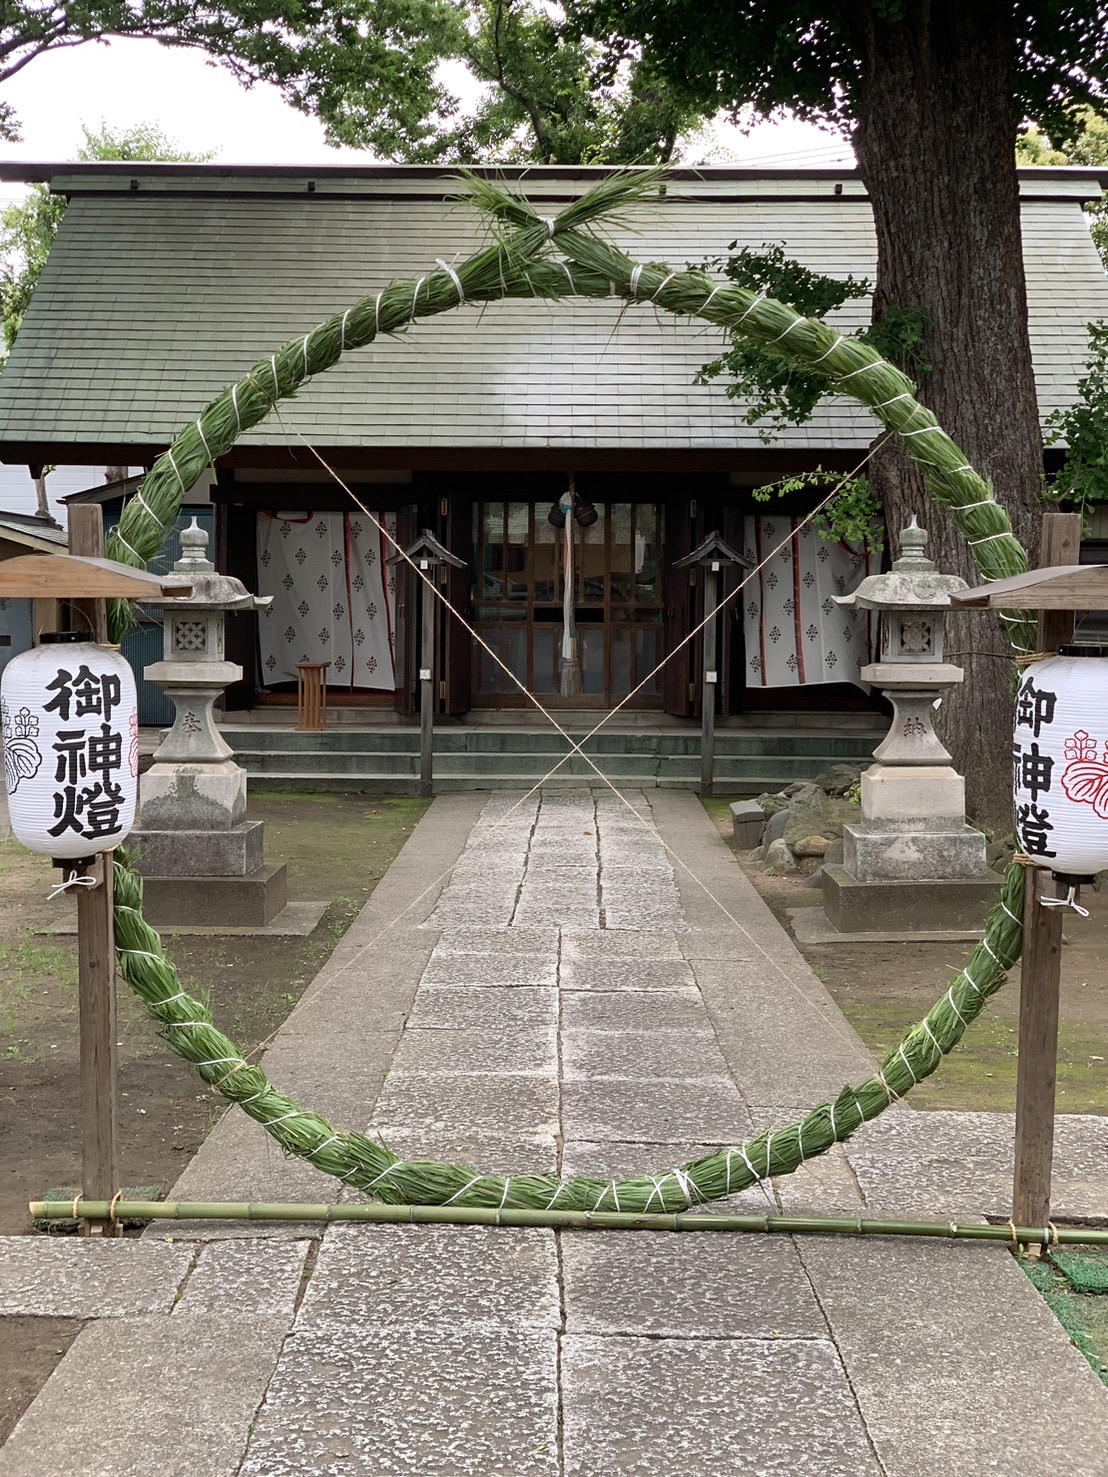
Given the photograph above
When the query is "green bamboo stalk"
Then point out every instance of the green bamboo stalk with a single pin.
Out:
(377, 1213)
(519, 266)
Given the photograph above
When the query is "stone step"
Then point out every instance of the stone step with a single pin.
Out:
(822, 745)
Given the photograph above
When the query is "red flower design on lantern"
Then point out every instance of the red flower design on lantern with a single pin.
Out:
(1085, 779)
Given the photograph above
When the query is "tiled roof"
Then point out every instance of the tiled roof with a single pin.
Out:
(155, 298)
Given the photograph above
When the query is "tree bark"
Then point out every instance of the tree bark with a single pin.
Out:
(935, 140)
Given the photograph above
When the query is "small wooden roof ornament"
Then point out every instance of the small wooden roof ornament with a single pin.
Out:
(427, 549)
(1057, 587)
(76, 577)
(714, 550)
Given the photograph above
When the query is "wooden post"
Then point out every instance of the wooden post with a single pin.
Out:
(708, 686)
(427, 682)
(96, 952)
(1041, 966)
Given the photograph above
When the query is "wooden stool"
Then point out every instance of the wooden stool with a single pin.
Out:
(311, 696)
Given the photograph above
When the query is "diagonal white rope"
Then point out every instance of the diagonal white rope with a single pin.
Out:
(679, 861)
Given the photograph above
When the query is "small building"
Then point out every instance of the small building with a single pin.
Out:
(168, 281)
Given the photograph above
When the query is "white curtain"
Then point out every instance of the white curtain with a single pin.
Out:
(333, 597)
(795, 633)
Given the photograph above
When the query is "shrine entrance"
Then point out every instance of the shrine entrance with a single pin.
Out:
(618, 603)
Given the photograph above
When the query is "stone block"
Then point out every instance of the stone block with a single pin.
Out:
(245, 1278)
(434, 1277)
(905, 907)
(466, 1401)
(710, 1287)
(237, 901)
(748, 821)
(913, 795)
(771, 1405)
(193, 797)
(79, 1277)
(874, 853)
(175, 1396)
(233, 853)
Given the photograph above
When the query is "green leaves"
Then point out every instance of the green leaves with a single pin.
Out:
(1083, 478)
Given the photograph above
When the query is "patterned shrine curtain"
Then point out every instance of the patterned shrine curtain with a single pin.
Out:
(795, 633)
(333, 594)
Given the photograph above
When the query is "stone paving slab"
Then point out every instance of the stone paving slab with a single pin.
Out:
(541, 907)
(245, 1278)
(457, 1007)
(507, 1105)
(638, 1407)
(960, 1165)
(487, 1151)
(591, 945)
(653, 1112)
(477, 1402)
(530, 1051)
(432, 1277)
(665, 1285)
(951, 1353)
(597, 1011)
(79, 1277)
(530, 970)
(503, 940)
(646, 1054)
(626, 974)
(137, 1396)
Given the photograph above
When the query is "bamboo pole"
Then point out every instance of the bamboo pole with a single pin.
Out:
(565, 1220)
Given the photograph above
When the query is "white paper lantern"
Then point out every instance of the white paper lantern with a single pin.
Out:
(1060, 763)
(70, 719)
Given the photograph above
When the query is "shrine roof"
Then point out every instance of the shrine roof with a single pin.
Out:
(167, 282)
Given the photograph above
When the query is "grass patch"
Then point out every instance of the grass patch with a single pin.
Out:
(1081, 1308)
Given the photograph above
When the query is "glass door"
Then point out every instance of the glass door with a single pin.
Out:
(618, 604)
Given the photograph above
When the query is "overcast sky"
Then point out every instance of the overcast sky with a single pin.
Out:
(202, 107)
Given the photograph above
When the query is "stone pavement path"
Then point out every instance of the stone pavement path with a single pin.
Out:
(568, 1000)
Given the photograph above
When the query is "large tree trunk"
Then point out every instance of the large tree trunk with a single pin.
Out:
(935, 142)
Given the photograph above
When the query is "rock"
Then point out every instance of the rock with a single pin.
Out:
(794, 789)
(771, 804)
(775, 827)
(812, 813)
(834, 853)
(839, 778)
(758, 854)
(816, 879)
(748, 822)
(998, 854)
(811, 846)
(779, 856)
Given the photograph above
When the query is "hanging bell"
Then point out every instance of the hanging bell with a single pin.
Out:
(557, 516)
(584, 513)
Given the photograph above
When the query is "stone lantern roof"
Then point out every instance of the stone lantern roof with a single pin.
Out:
(210, 591)
(912, 584)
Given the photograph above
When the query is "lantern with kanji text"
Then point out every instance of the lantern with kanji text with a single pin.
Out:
(70, 719)
(1060, 762)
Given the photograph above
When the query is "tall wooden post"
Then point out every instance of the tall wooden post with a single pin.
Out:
(96, 952)
(430, 557)
(1041, 966)
(427, 682)
(708, 689)
(714, 554)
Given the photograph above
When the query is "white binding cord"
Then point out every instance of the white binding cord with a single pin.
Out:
(75, 879)
(1069, 901)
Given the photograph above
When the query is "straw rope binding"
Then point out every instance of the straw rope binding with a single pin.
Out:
(520, 265)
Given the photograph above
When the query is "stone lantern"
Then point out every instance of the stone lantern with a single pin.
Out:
(202, 860)
(913, 864)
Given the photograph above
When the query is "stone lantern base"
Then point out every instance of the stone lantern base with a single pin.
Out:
(952, 906)
(201, 860)
(913, 865)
